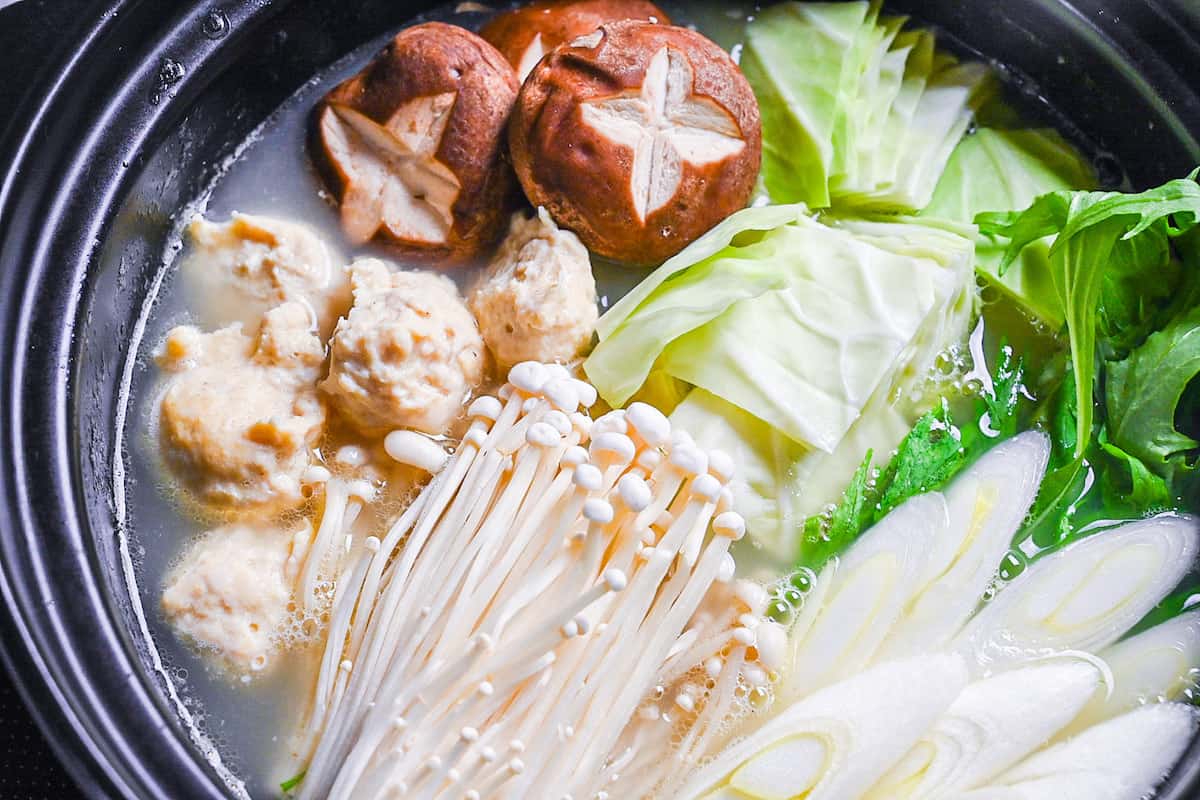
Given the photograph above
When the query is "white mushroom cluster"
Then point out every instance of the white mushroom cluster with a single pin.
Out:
(529, 624)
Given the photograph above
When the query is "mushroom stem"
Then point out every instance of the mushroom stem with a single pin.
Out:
(336, 497)
(548, 553)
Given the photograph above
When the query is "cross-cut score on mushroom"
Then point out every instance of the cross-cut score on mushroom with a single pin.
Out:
(637, 137)
(525, 34)
(393, 177)
(665, 126)
(411, 146)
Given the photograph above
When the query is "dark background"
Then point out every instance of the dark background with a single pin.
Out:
(29, 769)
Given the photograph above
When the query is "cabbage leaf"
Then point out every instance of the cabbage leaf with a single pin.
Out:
(1008, 169)
(806, 342)
(779, 483)
(711, 272)
(855, 111)
(800, 91)
(798, 325)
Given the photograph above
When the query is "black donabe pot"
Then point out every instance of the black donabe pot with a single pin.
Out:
(133, 104)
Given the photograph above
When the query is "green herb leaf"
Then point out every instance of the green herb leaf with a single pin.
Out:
(824, 537)
(1144, 393)
(930, 455)
(1095, 234)
(1008, 386)
(1052, 517)
(1127, 481)
(1139, 277)
(292, 782)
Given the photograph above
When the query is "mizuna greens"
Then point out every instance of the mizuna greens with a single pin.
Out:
(1111, 267)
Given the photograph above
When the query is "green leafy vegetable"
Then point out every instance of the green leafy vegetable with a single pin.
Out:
(780, 482)
(861, 114)
(1097, 250)
(1144, 392)
(824, 538)
(1128, 481)
(292, 782)
(1008, 169)
(722, 266)
(798, 145)
(800, 324)
(927, 458)
(932, 453)
(1008, 386)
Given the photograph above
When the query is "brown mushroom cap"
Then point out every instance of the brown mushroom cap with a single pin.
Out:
(412, 146)
(528, 32)
(637, 137)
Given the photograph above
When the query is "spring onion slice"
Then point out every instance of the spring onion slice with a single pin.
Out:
(1125, 757)
(992, 725)
(1085, 596)
(838, 741)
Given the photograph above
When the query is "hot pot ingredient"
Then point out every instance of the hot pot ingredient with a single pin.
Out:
(997, 168)
(250, 264)
(508, 631)
(231, 591)
(805, 340)
(240, 413)
(555, 613)
(537, 299)
(638, 137)
(1122, 759)
(1030, 651)
(528, 32)
(856, 111)
(411, 146)
(407, 354)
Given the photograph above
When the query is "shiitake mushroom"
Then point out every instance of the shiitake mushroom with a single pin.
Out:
(528, 32)
(412, 145)
(638, 137)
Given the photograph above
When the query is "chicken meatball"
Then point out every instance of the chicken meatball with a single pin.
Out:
(406, 355)
(231, 591)
(537, 300)
(250, 264)
(241, 414)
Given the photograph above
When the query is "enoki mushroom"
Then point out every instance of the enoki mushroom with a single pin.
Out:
(534, 623)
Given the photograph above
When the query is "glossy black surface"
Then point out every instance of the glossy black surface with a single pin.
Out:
(127, 107)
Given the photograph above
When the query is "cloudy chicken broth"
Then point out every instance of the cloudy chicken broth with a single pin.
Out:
(583, 411)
